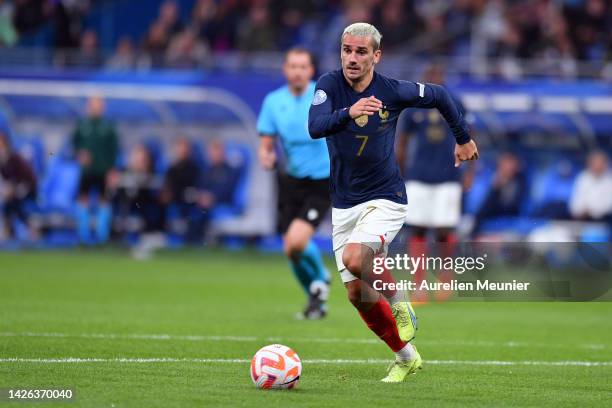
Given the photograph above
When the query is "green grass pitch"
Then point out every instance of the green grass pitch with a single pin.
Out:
(209, 311)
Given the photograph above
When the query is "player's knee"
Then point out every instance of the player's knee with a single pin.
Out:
(293, 248)
(352, 259)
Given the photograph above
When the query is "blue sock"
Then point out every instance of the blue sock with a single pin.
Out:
(302, 274)
(82, 221)
(103, 222)
(312, 256)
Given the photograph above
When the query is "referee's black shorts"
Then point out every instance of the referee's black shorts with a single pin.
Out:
(303, 198)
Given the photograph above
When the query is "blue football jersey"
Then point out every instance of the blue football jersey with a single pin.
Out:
(361, 150)
(431, 152)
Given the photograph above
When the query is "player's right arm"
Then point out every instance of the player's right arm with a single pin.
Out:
(324, 121)
(266, 127)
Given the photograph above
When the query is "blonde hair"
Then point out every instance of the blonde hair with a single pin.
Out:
(364, 30)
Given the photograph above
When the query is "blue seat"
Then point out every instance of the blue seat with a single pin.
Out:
(58, 190)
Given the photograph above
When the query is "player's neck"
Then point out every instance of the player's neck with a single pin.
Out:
(362, 83)
(296, 90)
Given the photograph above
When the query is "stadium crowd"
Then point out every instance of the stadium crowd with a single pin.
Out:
(135, 194)
(567, 30)
(119, 195)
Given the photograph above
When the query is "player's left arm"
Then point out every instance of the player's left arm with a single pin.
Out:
(415, 94)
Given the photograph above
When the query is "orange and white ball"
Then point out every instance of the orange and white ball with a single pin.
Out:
(276, 366)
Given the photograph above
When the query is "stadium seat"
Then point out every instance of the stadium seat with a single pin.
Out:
(57, 193)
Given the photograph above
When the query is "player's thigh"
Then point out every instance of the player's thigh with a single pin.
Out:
(446, 205)
(419, 208)
(343, 223)
(378, 224)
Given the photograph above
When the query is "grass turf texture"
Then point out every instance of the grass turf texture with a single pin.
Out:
(215, 293)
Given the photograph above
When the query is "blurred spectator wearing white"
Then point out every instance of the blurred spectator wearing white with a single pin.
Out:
(592, 195)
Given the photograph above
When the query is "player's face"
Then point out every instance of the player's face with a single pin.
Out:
(298, 70)
(358, 57)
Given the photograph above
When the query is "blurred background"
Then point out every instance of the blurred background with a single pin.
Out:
(176, 86)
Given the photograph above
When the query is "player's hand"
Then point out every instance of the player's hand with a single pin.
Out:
(465, 152)
(84, 157)
(365, 106)
(267, 158)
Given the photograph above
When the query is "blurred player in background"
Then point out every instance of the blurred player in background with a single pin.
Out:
(425, 156)
(356, 110)
(304, 182)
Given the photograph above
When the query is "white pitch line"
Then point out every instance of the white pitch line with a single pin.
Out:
(197, 338)
(77, 360)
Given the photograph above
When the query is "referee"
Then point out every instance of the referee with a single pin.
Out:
(304, 182)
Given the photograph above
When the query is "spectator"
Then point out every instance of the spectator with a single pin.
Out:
(219, 179)
(30, 14)
(186, 51)
(155, 44)
(506, 194)
(396, 29)
(96, 148)
(217, 23)
(257, 32)
(135, 193)
(8, 34)
(591, 198)
(68, 22)
(19, 188)
(179, 191)
(88, 55)
(169, 17)
(124, 57)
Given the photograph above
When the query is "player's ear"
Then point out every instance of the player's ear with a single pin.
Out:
(377, 55)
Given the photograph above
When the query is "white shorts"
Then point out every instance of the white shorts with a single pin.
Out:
(374, 223)
(433, 205)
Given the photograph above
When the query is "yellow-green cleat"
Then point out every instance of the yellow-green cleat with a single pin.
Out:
(399, 370)
(405, 319)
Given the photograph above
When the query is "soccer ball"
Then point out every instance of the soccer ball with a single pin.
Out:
(275, 366)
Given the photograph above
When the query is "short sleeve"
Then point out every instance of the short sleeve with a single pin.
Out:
(266, 124)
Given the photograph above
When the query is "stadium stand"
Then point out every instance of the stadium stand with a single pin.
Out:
(528, 92)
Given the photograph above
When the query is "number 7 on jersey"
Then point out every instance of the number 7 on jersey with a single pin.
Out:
(363, 143)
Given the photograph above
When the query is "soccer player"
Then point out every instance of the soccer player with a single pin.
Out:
(433, 183)
(356, 109)
(304, 183)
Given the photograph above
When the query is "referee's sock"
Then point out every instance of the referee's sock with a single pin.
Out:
(312, 256)
(302, 273)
